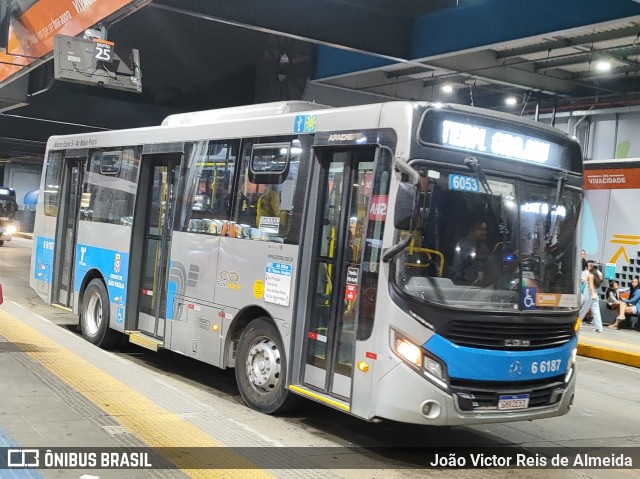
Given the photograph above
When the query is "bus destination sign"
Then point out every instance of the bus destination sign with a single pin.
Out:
(495, 142)
(519, 140)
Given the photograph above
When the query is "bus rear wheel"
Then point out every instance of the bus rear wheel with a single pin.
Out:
(94, 316)
(261, 368)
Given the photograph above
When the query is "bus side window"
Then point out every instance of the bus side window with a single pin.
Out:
(52, 183)
(266, 189)
(209, 187)
(107, 192)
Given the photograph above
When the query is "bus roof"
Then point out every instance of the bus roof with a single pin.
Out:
(197, 125)
(237, 112)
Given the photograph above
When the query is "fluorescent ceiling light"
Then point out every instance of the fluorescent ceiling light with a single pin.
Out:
(447, 88)
(510, 100)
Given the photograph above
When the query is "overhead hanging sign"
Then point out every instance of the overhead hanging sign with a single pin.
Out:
(31, 32)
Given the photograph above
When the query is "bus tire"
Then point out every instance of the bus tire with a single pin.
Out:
(1, 242)
(261, 368)
(94, 316)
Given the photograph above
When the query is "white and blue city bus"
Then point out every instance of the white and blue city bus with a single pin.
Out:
(330, 253)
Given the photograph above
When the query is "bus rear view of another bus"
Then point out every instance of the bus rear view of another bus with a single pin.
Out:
(8, 208)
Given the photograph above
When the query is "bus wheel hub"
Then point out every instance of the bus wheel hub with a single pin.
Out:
(263, 364)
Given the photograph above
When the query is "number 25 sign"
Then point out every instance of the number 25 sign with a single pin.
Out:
(103, 50)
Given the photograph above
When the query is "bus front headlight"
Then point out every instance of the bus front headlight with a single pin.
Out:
(10, 229)
(420, 360)
(408, 351)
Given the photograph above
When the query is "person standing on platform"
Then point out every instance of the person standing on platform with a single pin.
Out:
(590, 300)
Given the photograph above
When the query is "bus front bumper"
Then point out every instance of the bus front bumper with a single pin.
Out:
(405, 396)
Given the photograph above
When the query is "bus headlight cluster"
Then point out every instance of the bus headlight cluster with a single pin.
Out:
(11, 229)
(433, 367)
(419, 359)
(408, 351)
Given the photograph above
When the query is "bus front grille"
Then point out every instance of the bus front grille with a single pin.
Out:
(483, 395)
(507, 336)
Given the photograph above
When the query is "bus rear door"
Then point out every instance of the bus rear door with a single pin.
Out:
(150, 248)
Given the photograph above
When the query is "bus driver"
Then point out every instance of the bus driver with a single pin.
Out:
(470, 254)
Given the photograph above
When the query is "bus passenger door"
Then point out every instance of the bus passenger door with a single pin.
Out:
(154, 216)
(66, 230)
(346, 179)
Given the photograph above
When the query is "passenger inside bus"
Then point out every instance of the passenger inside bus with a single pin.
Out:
(268, 206)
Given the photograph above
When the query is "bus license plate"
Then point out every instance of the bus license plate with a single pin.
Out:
(514, 401)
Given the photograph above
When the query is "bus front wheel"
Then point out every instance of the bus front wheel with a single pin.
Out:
(261, 368)
(94, 316)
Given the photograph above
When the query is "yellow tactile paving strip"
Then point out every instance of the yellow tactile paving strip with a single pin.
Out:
(610, 350)
(153, 425)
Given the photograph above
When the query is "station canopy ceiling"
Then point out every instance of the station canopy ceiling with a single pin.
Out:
(194, 55)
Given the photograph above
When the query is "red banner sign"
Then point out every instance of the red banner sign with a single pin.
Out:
(31, 34)
(612, 179)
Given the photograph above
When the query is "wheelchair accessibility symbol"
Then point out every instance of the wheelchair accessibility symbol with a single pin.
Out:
(529, 298)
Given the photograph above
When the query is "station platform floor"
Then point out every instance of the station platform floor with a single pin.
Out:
(59, 391)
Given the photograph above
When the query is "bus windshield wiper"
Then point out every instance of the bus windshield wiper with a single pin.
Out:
(561, 180)
(473, 164)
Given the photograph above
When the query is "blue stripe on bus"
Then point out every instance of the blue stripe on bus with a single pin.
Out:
(7, 442)
(44, 259)
(493, 365)
(113, 265)
(172, 288)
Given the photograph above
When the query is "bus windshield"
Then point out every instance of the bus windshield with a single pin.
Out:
(8, 208)
(496, 244)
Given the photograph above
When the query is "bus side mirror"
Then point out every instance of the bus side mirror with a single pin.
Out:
(405, 210)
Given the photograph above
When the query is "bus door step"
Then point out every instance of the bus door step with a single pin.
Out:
(141, 339)
(320, 397)
(62, 307)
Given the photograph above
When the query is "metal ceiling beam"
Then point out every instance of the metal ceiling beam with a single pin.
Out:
(588, 57)
(453, 78)
(606, 75)
(484, 65)
(621, 85)
(570, 42)
(416, 70)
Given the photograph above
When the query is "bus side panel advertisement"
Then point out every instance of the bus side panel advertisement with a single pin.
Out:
(44, 259)
(113, 265)
(278, 283)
